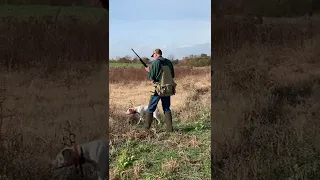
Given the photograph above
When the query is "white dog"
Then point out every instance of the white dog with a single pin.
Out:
(95, 153)
(142, 111)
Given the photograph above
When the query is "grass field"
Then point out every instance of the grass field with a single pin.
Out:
(54, 44)
(41, 110)
(50, 89)
(39, 11)
(265, 104)
(53, 82)
(183, 154)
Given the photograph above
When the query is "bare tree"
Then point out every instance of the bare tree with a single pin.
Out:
(171, 57)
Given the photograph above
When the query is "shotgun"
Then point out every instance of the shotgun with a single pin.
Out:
(144, 64)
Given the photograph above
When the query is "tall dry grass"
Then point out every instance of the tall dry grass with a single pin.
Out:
(265, 109)
(231, 33)
(47, 45)
(129, 90)
(95, 3)
(54, 82)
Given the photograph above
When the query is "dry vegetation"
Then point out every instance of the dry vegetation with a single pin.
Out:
(52, 81)
(95, 3)
(184, 154)
(266, 101)
(137, 74)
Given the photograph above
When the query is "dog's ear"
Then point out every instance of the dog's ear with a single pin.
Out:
(67, 153)
(129, 110)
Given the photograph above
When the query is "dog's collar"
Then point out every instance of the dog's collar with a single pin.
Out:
(79, 158)
(133, 111)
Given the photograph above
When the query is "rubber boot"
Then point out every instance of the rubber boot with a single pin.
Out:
(169, 121)
(148, 122)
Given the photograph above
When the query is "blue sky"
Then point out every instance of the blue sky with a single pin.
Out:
(178, 27)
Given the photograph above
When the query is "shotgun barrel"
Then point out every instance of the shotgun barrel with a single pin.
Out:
(144, 64)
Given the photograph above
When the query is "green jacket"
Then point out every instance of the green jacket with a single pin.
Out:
(155, 68)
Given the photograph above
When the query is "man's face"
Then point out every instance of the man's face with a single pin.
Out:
(155, 55)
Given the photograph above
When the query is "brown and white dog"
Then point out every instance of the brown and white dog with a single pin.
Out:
(95, 153)
(142, 112)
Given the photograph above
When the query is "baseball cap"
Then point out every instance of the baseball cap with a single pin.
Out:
(158, 51)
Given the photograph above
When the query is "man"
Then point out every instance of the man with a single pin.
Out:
(154, 74)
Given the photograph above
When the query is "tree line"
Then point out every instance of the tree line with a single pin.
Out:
(191, 60)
